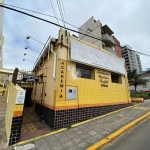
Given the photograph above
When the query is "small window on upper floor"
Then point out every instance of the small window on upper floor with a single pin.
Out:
(116, 78)
(84, 72)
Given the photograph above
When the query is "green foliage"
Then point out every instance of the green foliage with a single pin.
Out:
(32, 142)
(144, 95)
(68, 126)
(135, 79)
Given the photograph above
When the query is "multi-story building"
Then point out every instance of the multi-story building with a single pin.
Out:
(95, 28)
(77, 81)
(1, 35)
(132, 60)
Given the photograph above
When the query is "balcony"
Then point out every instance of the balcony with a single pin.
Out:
(110, 50)
(108, 40)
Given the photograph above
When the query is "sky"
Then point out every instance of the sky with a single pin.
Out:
(128, 19)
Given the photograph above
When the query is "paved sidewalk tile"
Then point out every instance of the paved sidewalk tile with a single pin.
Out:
(85, 135)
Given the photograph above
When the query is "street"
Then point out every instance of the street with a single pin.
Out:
(135, 139)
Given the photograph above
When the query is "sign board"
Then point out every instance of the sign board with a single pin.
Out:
(61, 92)
(83, 53)
(20, 97)
(30, 78)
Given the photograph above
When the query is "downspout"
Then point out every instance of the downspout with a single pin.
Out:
(54, 67)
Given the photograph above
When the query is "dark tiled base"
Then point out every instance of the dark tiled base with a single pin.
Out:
(61, 118)
(15, 130)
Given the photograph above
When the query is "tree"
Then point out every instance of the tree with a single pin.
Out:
(135, 79)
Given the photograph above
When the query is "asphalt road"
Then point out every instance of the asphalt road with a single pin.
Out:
(137, 138)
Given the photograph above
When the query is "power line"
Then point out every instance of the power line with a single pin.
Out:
(47, 21)
(64, 11)
(62, 26)
(47, 16)
(53, 7)
(60, 11)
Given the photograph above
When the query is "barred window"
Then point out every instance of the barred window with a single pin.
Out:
(116, 78)
(83, 72)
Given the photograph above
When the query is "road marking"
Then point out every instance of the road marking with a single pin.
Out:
(114, 135)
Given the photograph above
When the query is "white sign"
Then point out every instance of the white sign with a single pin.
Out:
(20, 97)
(86, 54)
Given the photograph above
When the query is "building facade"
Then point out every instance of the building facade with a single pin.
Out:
(1, 35)
(132, 60)
(95, 28)
(80, 80)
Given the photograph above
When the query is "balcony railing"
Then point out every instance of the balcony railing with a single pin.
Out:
(110, 50)
(108, 40)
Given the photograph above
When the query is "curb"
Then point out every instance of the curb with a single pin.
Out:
(63, 129)
(114, 135)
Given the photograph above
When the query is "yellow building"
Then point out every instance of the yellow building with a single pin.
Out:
(81, 82)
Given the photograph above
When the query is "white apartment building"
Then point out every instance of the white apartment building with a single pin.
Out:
(132, 60)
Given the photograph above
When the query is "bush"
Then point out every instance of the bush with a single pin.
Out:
(144, 95)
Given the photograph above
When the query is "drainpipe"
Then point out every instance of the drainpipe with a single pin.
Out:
(49, 46)
(54, 68)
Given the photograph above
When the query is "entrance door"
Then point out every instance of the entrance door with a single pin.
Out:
(29, 114)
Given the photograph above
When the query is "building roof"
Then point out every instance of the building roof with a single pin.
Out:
(44, 53)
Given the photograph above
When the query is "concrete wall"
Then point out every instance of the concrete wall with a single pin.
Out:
(95, 27)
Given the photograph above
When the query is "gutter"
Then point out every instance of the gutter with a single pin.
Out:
(54, 67)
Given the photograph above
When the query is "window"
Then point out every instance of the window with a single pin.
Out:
(83, 72)
(116, 78)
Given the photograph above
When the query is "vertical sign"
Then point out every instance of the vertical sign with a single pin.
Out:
(20, 97)
(61, 90)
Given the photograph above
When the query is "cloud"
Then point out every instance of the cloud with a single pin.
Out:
(128, 19)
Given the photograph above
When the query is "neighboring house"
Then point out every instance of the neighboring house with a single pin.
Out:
(144, 75)
(95, 28)
(77, 81)
(5, 78)
(1, 35)
(132, 60)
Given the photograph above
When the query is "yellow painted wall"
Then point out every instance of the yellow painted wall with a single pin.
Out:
(90, 92)
(11, 107)
(51, 83)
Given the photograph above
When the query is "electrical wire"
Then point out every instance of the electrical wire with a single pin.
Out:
(62, 26)
(48, 16)
(53, 7)
(64, 12)
(60, 11)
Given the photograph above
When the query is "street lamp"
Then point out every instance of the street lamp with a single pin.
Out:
(29, 55)
(28, 60)
(31, 49)
(28, 37)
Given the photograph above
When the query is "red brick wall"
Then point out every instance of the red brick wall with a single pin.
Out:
(117, 48)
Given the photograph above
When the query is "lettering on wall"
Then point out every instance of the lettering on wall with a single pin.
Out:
(61, 90)
(103, 78)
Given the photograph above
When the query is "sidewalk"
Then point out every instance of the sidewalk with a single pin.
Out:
(83, 136)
